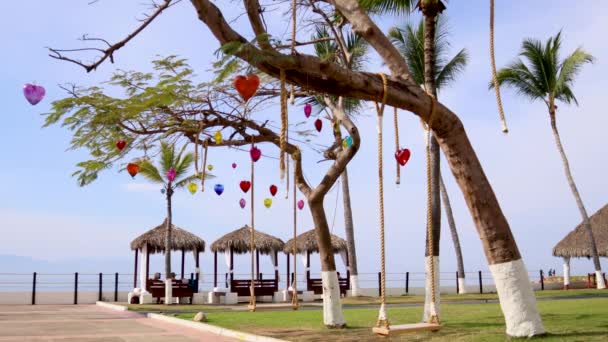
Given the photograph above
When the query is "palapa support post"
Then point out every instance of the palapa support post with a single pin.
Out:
(257, 264)
(183, 261)
(287, 275)
(135, 271)
(215, 269)
(147, 264)
(198, 269)
(231, 264)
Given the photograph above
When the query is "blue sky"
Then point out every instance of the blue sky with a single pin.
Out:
(47, 216)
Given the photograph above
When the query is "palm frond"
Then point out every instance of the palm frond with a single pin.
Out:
(452, 69)
(150, 172)
(184, 163)
(518, 76)
(388, 7)
(167, 156)
(568, 69)
(533, 50)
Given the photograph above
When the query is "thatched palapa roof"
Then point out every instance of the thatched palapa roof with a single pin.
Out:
(576, 243)
(308, 242)
(240, 241)
(180, 239)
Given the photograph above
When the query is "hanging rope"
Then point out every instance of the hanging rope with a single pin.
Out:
(396, 123)
(206, 143)
(293, 44)
(294, 298)
(382, 317)
(501, 112)
(252, 240)
(283, 136)
(196, 169)
(433, 317)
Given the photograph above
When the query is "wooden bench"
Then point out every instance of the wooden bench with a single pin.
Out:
(316, 285)
(263, 287)
(179, 289)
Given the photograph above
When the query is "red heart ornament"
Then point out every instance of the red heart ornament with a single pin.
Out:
(402, 156)
(318, 125)
(247, 85)
(301, 204)
(273, 190)
(245, 185)
(255, 153)
(133, 169)
(120, 144)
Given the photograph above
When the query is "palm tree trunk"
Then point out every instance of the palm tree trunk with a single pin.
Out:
(452, 224)
(350, 234)
(579, 203)
(168, 281)
(332, 305)
(430, 25)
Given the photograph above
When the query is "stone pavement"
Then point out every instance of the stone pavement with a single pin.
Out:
(89, 323)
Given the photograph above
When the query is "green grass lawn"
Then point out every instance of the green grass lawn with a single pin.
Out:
(472, 296)
(565, 320)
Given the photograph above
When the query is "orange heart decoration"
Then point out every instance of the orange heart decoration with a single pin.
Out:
(133, 169)
(247, 85)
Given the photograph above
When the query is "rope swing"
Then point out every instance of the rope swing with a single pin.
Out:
(501, 112)
(206, 145)
(383, 326)
(252, 242)
(396, 123)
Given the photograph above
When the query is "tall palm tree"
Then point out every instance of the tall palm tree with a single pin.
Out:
(547, 78)
(171, 173)
(355, 49)
(409, 39)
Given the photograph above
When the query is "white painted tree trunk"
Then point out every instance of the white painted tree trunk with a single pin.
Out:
(332, 306)
(354, 285)
(599, 280)
(143, 269)
(517, 299)
(566, 273)
(461, 286)
(168, 291)
(429, 310)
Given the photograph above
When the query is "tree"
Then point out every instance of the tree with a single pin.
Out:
(410, 41)
(171, 173)
(346, 49)
(547, 78)
(313, 74)
(168, 105)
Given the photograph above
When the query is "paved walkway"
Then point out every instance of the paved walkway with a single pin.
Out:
(89, 323)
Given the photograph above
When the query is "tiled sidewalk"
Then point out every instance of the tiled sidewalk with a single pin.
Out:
(89, 323)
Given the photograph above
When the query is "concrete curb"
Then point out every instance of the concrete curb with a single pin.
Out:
(213, 329)
(114, 307)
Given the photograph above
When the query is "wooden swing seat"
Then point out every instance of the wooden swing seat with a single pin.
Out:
(406, 328)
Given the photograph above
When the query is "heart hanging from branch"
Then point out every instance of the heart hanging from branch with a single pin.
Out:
(242, 203)
(121, 144)
(402, 156)
(218, 188)
(318, 125)
(307, 110)
(133, 169)
(247, 85)
(273, 190)
(234, 165)
(210, 167)
(268, 202)
(217, 137)
(255, 153)
(301, 204)
(171, 174)
(33, 93)
(192, 187)
(245, 185)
